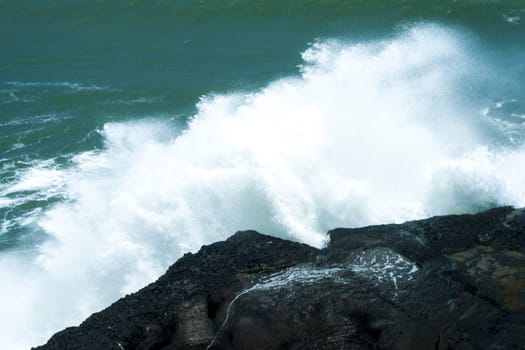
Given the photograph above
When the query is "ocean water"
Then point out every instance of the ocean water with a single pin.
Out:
(132, 132)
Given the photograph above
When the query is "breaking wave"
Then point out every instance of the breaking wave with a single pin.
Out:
(367, 133)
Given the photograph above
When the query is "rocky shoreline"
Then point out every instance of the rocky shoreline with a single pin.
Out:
(451, 282)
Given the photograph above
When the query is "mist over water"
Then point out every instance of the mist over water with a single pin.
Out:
(365, 133)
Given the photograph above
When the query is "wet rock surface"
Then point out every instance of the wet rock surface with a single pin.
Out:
(452, 282)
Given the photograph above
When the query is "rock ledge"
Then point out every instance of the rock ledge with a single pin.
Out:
(451, 282)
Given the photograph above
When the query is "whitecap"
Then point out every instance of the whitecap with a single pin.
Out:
(367, 133)
(60, 84)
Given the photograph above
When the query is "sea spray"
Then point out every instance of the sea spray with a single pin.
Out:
(367, 133)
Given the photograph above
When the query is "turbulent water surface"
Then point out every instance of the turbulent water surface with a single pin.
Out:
(134, 131)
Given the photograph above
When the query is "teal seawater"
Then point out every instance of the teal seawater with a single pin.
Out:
(137, 58)
(69, 67)
(73, 72)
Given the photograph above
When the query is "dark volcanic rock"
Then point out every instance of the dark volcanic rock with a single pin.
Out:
(453, 282)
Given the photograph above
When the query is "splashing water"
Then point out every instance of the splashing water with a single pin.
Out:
(368, 133)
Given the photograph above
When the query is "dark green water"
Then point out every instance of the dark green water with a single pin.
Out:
(75, 74)
(147, 58)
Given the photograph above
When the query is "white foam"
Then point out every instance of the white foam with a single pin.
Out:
(476, 180)
(36, 120)
(512, 19)
(42, 180)
(383, 267)
(368, 133)
(56, 84)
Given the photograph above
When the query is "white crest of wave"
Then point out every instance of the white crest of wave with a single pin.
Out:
(368, 133)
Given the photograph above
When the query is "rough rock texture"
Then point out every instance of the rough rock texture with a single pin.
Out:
(453, 282)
